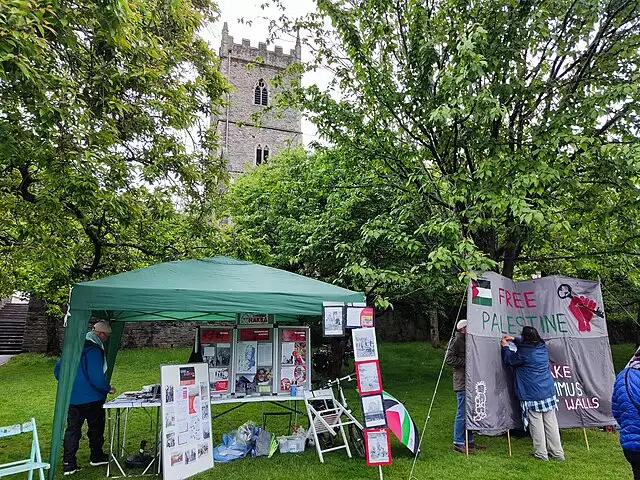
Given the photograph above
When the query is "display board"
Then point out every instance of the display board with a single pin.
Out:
(293, 360)
(253, 367)
(186, 420)
(217, 351)
(374, 415)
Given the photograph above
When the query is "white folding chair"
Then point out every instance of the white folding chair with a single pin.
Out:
(31, 464)
(326, 416)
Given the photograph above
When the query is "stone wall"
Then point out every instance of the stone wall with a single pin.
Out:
(38, 333)
(159, 334)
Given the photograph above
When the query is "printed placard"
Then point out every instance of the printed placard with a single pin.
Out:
(373, 412)
(368, 377)
(257, 334)
(293, 335)
(366, 317)
(333, 319)
(365, 346)
(246, 357)
(377, 446)
(253, 319)
(353, 317)
(215, 335)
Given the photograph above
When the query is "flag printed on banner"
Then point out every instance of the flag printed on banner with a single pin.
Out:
(481, 292)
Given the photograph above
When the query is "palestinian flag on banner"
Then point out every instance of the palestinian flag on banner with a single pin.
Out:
(481, 292)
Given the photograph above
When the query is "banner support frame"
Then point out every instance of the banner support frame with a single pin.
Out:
(466, 441)
(509, 440)
(586, 440)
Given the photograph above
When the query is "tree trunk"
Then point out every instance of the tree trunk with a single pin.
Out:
(336, 358)
(53, 341)
(508, 265)
(636, 331)
(435, 331)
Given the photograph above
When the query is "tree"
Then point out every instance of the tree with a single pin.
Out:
(107, 160)
(512, 123)
(327, 216)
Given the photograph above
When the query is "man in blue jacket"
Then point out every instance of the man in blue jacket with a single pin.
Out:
(90, 389)
(626, 410)
(535, 389)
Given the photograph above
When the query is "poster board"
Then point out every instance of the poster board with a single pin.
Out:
(254, 366)
(217, 352)
(187, 448)
(293, 360)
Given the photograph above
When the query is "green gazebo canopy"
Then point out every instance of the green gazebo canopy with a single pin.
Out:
(208, 289)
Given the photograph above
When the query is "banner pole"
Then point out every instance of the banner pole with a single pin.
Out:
(585, 438)
(380, 469)
(509, 440)
(466, 441)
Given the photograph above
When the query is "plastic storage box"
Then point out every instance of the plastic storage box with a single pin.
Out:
(292, 444)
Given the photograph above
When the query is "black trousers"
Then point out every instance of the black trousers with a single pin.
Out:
(93, 413)
(634, 459)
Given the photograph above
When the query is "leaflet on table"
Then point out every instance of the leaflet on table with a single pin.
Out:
(186, 415)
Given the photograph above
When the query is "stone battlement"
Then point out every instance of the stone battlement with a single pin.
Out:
(244, 51)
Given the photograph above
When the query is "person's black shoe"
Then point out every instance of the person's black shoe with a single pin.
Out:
(99, 459)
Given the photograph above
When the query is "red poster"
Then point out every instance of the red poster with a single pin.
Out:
(213, 335)
(366, 317)
(249, 334)
(192, 405)
(187, 376)
(222, 385)
(297, 335)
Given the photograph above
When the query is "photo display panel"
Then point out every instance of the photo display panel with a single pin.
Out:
(217, 351)
(187, 448)
(254, 365)
(293, 358)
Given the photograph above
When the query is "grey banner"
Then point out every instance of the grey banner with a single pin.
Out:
(569, 314)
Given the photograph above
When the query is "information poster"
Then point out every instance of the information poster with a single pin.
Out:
(216, 353)
(187, 448)
(262, 382)
(293, 358)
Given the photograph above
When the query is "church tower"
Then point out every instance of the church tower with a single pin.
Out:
(244, 143)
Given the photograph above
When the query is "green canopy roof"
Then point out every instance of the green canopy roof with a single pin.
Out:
(207, 289)
(219, 285)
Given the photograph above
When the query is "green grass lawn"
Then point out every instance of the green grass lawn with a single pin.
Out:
(410, 372)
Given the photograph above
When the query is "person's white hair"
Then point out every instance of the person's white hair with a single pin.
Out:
(102, 327)
(461, 324)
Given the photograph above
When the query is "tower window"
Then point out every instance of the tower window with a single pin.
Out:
(260, 94)
(262, 154)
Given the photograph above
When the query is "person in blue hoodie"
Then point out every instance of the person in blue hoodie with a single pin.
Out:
(90, 389)
(626, 410)
(535, 389)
